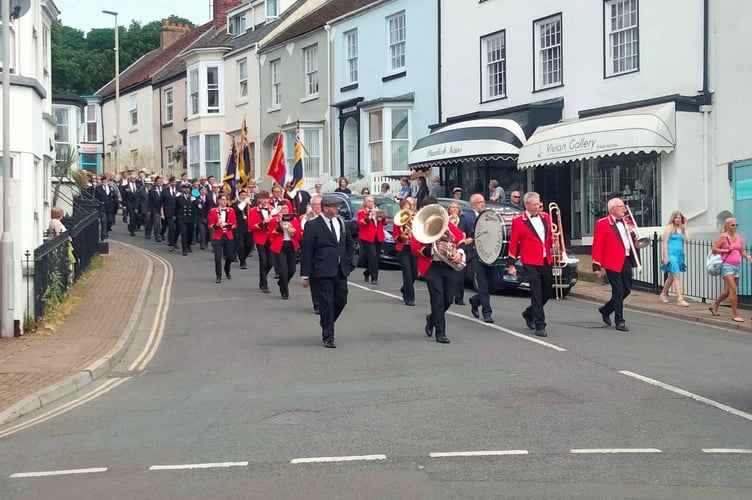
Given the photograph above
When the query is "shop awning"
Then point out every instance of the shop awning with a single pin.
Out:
(472, 140)
(648, 129)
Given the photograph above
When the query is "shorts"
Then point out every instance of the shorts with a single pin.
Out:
(729, 270)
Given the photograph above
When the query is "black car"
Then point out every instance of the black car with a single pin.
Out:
(349, 206)
(503, 281)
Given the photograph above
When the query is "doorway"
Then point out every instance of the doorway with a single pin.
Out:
(554, 184)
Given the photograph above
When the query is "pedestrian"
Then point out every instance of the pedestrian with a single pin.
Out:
(385, 189)
(144, 205)
(371, 222)
(441, 278)
(155, 208)
(674, 235)
(422, 191)
(284, 242)
(405, 190)
(305, 219)
(515, 201)
(484, 275)
(185, 217)
(455, 212)
(300, 201)
(221, 223)
(437, 190)
(457, 193)
(615, 251)
(169, 195)
(365, 191)
(131, 202)
(106, 195)
(325, 263)
(258, 223)
(402, 231)
(730, 245)
(242, 237)
(342, 183)
(532, 234)
(497, 192)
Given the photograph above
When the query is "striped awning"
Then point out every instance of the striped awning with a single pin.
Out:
(473, 140)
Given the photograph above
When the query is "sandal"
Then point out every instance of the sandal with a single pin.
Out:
(713, 311)
(738, 319)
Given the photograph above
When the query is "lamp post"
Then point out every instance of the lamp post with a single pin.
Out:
(116, 149)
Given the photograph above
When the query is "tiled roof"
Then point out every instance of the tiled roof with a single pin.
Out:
(144, 68)
(318, 18)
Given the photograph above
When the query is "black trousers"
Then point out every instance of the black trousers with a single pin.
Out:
(541, 283)
(483, 277)
(173, 231)
(266, 261)
(284, 264)
(202, 232)
(132, 220)
(156, 224)
(441, 281)
(332, 297)
(409, 264)
(186, 234)
(223, 249)
(371, 250)
(621, 287)
(147, 225)
(243, 245)
(106, 220)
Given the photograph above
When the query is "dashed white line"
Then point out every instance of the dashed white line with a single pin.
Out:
(488, 453)
(214, 465)
(726, 450)
(688, 394)
(353, 458)
(58, 472)
(584, 451)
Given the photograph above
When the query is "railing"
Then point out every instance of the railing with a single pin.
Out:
(696, 283)
(372, 181)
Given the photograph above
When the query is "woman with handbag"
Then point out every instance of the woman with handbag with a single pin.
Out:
(731, 246)
(674, 235)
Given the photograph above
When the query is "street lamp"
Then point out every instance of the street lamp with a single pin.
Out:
(116, 150)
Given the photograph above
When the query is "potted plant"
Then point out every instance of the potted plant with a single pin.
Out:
(180, 153)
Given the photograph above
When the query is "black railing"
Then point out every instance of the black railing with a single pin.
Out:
(696, 283)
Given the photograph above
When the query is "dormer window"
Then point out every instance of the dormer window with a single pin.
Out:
(272, 12)
(236, 24)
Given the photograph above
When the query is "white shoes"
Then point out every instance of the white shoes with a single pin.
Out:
(664, 298)
(682, 303)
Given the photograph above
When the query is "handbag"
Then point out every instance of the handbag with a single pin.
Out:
(714, 262)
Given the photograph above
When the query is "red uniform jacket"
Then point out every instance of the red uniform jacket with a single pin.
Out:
(277, 237)
(608, 248)
(421, 249)
(214, 219)
(273, 202)
(397, 233)
(525, 243)
(368, 230)
(257, 226)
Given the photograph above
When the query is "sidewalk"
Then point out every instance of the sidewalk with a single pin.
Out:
(37, 369)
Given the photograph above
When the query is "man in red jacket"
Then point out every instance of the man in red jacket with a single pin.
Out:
(258, 223)
(614, 250)
(285, 234)
(532, 242)
(221, 222)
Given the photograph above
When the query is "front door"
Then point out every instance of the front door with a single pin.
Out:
(742, 181)
(554, 185)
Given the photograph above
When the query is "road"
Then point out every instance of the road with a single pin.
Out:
(242, 401)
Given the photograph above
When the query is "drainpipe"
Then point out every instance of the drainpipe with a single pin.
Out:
(330, 96)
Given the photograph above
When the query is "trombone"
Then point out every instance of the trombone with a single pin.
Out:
(559, 253)
(640, 241)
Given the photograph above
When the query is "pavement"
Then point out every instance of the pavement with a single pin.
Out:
(37, 370)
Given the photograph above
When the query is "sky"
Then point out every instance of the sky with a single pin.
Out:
(87, 14)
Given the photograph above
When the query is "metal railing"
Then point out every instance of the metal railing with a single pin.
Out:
(696, 283)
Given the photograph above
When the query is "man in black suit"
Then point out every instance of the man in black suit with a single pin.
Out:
(185, 216)
(155, 209)
(168, 213)
(106, 195)
(202, 217)
(144, 205)
(242, 238)
(131, 202)
(483, 273)
(325, 263)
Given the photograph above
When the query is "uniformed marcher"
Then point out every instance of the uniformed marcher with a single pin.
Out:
(185, 215)
(221, 223)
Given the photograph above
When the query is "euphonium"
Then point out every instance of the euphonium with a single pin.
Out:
(431, 226)
(640, 241)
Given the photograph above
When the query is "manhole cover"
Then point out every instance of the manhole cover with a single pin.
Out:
(526, 397)
(301, 417)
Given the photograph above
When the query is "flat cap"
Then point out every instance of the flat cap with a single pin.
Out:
(329, 200)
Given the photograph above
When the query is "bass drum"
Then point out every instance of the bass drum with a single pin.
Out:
(491, 237)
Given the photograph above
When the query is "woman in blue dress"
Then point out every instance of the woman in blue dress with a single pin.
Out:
(674, 236)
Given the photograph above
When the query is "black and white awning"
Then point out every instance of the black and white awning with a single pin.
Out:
(473, 140)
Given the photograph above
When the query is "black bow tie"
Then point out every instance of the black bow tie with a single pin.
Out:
(534, 216)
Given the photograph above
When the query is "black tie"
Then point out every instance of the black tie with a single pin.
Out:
(331, 226)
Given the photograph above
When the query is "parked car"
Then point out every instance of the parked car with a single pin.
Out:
(348, 210)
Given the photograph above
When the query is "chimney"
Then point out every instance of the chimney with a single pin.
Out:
(220, 10)
(171, 32)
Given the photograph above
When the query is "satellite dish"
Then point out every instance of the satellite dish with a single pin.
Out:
(18, 8)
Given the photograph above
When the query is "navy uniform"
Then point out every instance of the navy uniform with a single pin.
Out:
(185, 216)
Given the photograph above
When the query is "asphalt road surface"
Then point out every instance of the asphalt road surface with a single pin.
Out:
(242, 401)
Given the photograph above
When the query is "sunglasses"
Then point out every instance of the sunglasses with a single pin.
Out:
(733, 225)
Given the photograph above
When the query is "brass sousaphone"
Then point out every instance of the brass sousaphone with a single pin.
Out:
(431, 226)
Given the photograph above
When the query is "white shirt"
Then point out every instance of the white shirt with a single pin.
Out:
(537, 222)
(622, 227)
(333, 224)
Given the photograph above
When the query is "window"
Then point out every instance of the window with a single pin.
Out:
(169, 156)
(376, 140)
(400, 138)
(397, 35)
(168, 106)
(193, 91)
(271, 9)
(194, 156)
(548, 50)
(622, 36)
(204, 156)
(276, 84)
(351, 49)
(212, 89)
(312, 160)
(243, 78)
(62, 125)
(133, 110)
(89, 162)
(494, 70)
(211, 156)
(310, 54)
(45, 48)
(236, 25)
(92, 125)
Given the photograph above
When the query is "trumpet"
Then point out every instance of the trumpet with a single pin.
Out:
(640, 241)
(558, 254)
(404, 220)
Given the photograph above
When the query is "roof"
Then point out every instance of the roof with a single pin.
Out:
(317, 19)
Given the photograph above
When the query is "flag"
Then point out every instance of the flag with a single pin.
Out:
(277, 170)
(231, 169)
(297, 168)
(244, 156)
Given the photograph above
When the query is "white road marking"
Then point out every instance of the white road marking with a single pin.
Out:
(353, 458)
(58, 472)
(215, 465)
(688, 394)
(726, 450)
(583, 451)
(489, 453)
(522, 336)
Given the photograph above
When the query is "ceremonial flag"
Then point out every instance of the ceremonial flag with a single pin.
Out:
(277, 170)
(297, 168)
(231, 169)
(244, 156)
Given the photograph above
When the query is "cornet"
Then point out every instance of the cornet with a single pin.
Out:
(640, 241)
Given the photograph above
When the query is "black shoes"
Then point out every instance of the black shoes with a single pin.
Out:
(442, 339)
(285, 297)
(190, 249)
(185, 253)
(219, 279)
(622, 327)
(604, 316)
(474, 308)
(410, 303)
(459, 302)
(540, 332)
(329, 344)
(229, 276)
(528, 320)
(429, 326)
(316, 310)
(265, 289)
(488, 319)
(243, 266)
(171, 248)
(366, 278)
(374, 282)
